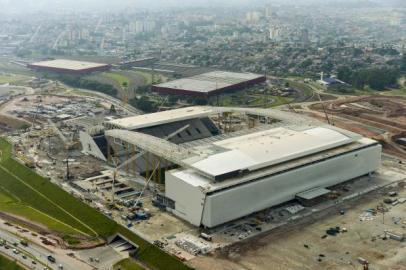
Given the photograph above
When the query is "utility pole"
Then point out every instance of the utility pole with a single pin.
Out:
(67, 169)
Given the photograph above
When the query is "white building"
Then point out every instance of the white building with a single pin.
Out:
(274, 33)
(253, 16)
(242, 175)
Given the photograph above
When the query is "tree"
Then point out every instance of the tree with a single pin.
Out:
(143, 104)
(344, 73)
(403, 63)
(306, 63)
(376, 78)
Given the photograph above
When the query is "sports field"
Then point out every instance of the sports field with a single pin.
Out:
(26, 194)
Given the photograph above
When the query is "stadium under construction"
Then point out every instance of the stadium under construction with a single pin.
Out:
(212, 165)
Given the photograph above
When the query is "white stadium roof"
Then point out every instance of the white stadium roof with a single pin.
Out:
(270, 147)
(197, 178)
(160, 118)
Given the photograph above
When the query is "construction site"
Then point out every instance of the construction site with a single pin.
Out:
(379, 117)
(208, 182)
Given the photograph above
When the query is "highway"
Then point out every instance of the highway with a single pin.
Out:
(34, 256)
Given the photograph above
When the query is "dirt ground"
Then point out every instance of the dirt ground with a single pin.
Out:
(378, 117)
(302, 246)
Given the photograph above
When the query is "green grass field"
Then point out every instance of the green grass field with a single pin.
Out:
(6, 264)
(12, 78)
(22, 188)
(119, 78)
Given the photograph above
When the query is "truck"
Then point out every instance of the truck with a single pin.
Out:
(206, 236)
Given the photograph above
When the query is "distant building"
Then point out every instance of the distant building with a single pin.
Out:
(268, 11)
(253, 17)
(304, 36)
(146, 26)
(68, 66)
(209, 84)
(329, 82)
(274, 33)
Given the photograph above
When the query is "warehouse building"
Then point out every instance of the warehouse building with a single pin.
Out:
(72, 67)
(209, 84)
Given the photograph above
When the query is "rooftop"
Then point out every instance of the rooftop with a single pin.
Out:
(160, 118)
(210, 81)
(68, 64)
(266, 148)
(197, 179)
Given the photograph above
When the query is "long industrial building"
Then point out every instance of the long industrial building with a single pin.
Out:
(209, 84)
(64, 66)
(222, 164)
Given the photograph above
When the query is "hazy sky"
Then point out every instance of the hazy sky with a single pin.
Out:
(33, 5)
(116, 5)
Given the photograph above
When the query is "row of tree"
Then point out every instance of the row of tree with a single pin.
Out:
(375, 78)
(79, 82)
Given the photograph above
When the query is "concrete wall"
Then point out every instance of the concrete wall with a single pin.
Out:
(230, 204)
(89, 146)
(243, 200)
(189, 200)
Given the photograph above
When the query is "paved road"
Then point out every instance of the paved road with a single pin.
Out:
(35, 256)
(118, 103)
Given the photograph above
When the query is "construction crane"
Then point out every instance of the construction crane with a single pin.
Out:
(324, 108)
(321, 102)
(68, 143)
(35, 116)
(135, 157)
(68, 175)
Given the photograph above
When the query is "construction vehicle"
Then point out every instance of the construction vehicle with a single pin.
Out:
(27, 161)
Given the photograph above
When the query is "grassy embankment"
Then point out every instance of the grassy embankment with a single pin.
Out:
(127, 264)
(7, 264)
(25, 193)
